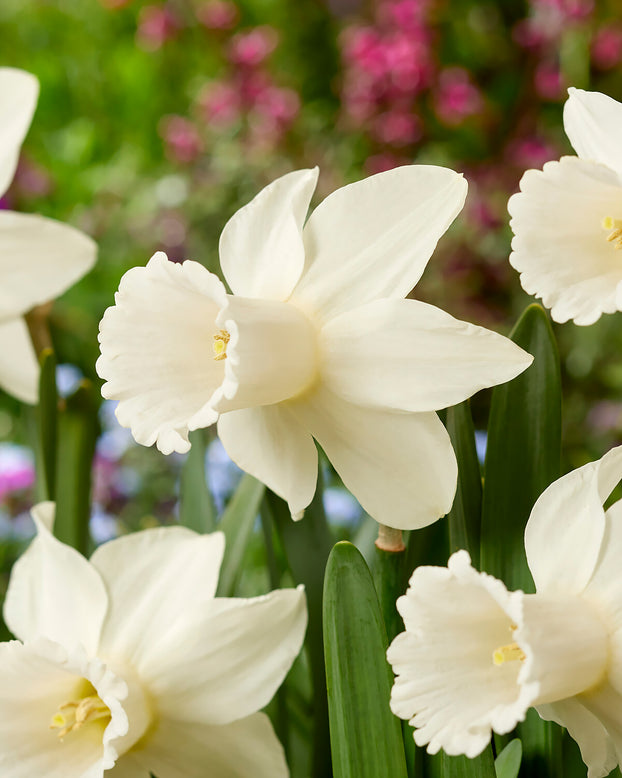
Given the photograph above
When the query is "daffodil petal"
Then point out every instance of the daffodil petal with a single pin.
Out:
(33, 686)
(19, 368)
(268, 443)
(18, 98)
(237, 750)
(143, 619)
(401, 467)
(261, 249)
(157, 351)
(407, 355)
(592, 122)
(560, 246)
(244, 653)
(564, 534)
(373, 238)
(597, 749)
(54, 592)
(606, 584)
(39, 260)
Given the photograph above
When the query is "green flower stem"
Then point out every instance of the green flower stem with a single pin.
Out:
(390, 576)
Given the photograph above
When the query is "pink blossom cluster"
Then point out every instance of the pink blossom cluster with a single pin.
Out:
(248, 94)
(390, 67)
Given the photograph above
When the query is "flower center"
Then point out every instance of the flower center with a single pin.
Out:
(74, 714)
(509, 653)
(614, 226)
(221, 338)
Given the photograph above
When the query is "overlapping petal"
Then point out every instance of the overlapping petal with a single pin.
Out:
(592, 123)
(54, 592)
(261, 249)
(235, 658)
(237, 750)
(408, 355)
(560, 247)
(565, 531)
(19, 368)
(270, 444)
(39, 259)
(401, 467)
(373, 239)
(157, 351)
(18, 98)
(145, 621)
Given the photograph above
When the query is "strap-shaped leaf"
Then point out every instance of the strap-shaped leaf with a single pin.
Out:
(366, 738)
(47, 416)
(196, 509)
(481, 766)
(507, 764)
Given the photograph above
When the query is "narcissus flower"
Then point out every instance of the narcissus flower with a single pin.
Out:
(129, 664)
(39, 258)
(474, 657)
(567, 218)
(315, 342)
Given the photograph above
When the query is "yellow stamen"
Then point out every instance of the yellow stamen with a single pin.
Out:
(76, 713)
(614, 226)
(508, 653)
(221, 338)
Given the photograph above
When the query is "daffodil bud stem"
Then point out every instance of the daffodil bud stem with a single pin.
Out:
(389, 539)
(37, 322)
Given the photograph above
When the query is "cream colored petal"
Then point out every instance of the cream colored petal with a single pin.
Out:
(560, 246)
(373, 239)
(407, 355)
(242, 749)
(399, 466)
(564, 534)
(160, 581)
(39, 260)
(447, 685)
(268, 443)
(261, 250)
(597, 748)
(157, 351)
(229, 664)
(36, 679)
(19, 91)
(592, 122)
(19, 368)
(54, 592)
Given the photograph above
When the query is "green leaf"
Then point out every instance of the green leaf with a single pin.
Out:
(523, 451)
(307, 544)
(507, 764)
(464, 519)
(522, 458)
(481, 766)
(237, 523)
(77, 434)
(47, 413)
(196, 510)
(366, 738)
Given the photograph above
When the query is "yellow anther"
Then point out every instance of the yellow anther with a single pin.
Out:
(76, 713)
(614, 226)
(221, 338)
(508, 653)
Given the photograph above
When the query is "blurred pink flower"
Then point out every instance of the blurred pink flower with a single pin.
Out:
(408, 61)
(182, 138)
(607, 47)
(362, 48)
(156, 25)
(218, 14)
(397, 127)
(548, 81)
(456, 96)
(32, 180)
(378, 163)
(403, 14)
(17, 470)
(220, 104)
(249, 49)
(531, 152)
(278, 105)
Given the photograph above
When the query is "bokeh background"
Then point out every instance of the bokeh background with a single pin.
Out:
(157, 120)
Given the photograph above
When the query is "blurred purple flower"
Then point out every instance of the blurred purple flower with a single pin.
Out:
(218, 14)
(456, 96)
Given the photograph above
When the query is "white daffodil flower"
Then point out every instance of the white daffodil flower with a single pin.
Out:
(474, 657)
(315, 342)
(39, 258)
(567, 218)
(128, 664)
